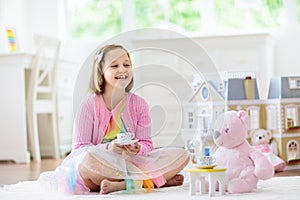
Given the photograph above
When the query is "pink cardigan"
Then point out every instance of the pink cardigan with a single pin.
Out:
(93, 117)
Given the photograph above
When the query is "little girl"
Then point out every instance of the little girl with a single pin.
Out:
(98, 162)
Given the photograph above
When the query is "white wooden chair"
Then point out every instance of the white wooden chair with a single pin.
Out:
(41, 95)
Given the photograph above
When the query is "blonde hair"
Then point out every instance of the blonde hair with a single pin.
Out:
(97, 81)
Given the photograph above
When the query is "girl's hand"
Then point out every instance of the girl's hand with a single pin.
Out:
(114, 147)
(132, 150)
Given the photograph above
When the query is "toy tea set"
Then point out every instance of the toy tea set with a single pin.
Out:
(126, 138)
(205, 162)
(202, 158)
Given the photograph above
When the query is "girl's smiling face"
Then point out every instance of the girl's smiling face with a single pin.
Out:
(117, 69)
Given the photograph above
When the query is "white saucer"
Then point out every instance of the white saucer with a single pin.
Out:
(127, 142)
(205, 166)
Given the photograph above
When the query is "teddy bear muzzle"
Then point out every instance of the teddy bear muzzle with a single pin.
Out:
(217, 134)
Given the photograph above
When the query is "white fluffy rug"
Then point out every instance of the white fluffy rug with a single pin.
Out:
(275, 188)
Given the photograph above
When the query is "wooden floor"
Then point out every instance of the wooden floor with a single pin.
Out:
(11, 172)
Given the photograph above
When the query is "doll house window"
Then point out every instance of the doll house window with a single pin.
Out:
(254, 117)
(294, 83)
(292, 150)
(291, 116)
(204, 119)
(190, 119)
(189, 115)
(271, 117)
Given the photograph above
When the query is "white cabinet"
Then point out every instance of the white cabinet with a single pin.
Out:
(66, 77)
(13, 137)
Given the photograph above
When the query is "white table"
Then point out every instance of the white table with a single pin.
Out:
(213, 175)
(13, 131)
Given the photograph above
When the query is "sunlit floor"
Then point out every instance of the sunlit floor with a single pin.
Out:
(11, 172)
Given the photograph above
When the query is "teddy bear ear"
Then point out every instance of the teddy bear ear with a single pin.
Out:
(243, 115)
(251, 133)
(269, 133)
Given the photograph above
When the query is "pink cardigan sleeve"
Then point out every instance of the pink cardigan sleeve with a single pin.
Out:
(143, 127)
(83, 124)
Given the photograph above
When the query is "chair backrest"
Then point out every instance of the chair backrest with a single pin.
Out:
(43, 68)
(82, 82)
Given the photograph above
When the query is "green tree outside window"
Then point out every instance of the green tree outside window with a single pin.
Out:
(229, 17)
(103, 18)
(95, 18)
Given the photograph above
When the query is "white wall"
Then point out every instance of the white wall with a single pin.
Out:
(286, 52)
(12, 16)
(28, 17)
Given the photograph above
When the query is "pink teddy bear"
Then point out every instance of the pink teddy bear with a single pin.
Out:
(245, 165)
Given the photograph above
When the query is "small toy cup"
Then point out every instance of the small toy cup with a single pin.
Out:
(206, 160)
(123, 137)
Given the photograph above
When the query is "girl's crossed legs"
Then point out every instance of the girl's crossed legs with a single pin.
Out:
(105, 185)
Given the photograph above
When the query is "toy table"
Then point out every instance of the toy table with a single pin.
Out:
(213, 175)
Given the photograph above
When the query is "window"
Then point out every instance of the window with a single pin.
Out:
(248, 15)
(254, 117)
(190, 119)
(204, 119)
(94, 18)
(298, 10)
(105, 18)
(291, 116)
(294, 83)
(177, 14)
(271, 117)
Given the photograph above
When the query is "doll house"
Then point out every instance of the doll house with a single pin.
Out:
(206, 103)
(238, 91)
(211, 98)
(282, 117)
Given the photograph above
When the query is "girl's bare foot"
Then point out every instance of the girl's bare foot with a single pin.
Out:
(111, 186)
(175, 181)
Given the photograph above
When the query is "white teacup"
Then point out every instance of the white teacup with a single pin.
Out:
(124, 137)
(206, 160)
